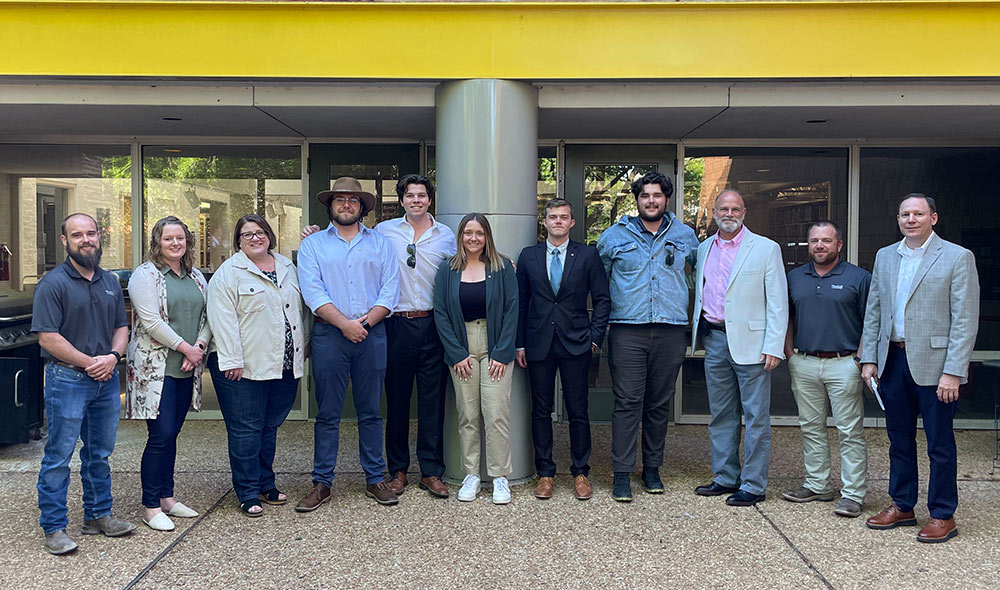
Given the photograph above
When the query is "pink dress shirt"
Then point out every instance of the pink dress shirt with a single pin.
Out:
(718, 267)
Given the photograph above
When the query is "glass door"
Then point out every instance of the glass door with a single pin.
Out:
(378, 167)
(598, 183)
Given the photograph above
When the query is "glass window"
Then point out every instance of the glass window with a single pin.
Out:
(211, 187)
(548, 173)
(784, 190)
(607, 190)
(959, 179)
(42, 184)
(379, 180)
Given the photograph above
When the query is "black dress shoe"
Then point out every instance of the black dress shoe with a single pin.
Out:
(744, 498)
(714, 489)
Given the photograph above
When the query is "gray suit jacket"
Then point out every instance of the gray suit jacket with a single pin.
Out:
(942, 312)
(756, 300)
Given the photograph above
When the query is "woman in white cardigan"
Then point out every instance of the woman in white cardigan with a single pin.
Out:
(169, 335)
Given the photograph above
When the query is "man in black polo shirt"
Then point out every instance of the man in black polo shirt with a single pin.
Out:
(828, 297)
(79, 315)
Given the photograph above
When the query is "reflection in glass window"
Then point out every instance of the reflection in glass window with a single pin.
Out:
(607, 190)
(548, 173)
(785, 190)
(211, 187)
(39, 186)
(379, 180)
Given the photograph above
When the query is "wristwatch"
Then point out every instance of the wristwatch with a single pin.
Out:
(118, 357)
(366, 326)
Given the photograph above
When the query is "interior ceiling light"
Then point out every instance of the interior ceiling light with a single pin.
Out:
(764, 170)
(172, 150)
(172, 119)
(817, 121)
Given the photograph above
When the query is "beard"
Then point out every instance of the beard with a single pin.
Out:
(88, 261)
(343, 218)
(652, 216)
(728, 225)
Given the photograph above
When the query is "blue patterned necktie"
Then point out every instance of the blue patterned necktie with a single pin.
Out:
(555, 271)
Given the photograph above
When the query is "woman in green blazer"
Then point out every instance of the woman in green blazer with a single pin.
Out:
(475, 311)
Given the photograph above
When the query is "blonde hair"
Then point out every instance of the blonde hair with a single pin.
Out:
(493, 259)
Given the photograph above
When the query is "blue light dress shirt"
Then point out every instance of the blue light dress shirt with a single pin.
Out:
(354, 276)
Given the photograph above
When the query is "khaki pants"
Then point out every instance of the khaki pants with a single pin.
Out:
(481, 396)
(835, 383)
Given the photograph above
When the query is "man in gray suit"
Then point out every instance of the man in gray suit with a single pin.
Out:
(920, 328)
(740, 314)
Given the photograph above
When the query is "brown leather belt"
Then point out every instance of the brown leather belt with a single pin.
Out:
(828, 355)
(69, 366)
(414, 314)
(899, 344)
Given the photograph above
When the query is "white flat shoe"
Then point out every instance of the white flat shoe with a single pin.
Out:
(181, 511)
(160, 522)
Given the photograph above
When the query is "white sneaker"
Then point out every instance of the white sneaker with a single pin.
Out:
(501, 491)
(470, 488)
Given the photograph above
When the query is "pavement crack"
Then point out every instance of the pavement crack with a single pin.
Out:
(166, 550)
(801, 555)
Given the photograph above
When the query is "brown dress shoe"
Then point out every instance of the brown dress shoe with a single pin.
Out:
(937, 530)
(582, 487)
(382, 493)
(398, 483)
(543, 491)
(434, 486)
(319, 494)
(891, 518)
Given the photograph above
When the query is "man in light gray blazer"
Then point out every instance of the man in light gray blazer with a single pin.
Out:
(740, 315)
(920, 329)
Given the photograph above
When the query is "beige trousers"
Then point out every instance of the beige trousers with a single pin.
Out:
(479, 396)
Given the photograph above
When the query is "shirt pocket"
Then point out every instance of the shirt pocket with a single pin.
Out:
(627, 257)
(251, 297)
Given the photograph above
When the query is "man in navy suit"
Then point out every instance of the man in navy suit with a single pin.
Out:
(554, 332)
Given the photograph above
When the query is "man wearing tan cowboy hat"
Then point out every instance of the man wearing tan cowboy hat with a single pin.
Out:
(349, 279)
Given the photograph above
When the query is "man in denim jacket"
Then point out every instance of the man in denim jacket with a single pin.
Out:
(645, 257)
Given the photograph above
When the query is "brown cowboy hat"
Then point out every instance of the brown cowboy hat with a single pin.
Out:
(346, 185)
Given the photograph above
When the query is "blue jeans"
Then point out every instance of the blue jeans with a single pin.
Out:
(335, 361)
(731, 386)
(253, 411)
(77, 407)
(157, 467)
(904, 399)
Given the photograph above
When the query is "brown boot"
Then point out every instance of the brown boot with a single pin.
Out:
(319, 494)
(434, 486)
(582, 487)
(382, 493)
(891, 518)
(398, 483)
(543, 491)
(937, 530)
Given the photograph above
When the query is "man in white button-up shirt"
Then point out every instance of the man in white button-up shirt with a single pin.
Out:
(920, 329)
(420, 244)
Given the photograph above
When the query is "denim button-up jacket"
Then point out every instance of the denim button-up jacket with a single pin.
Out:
(644, 289)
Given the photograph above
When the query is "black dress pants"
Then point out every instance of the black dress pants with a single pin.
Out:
(573, 373)
(414, 351)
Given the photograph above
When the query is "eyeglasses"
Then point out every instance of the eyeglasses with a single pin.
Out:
(412, 260)
(350, 200)
(669, 260)
(259, 235)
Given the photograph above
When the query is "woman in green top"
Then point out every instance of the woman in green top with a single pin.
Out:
(164, 362)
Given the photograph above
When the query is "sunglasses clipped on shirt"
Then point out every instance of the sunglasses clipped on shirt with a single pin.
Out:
(412, 260)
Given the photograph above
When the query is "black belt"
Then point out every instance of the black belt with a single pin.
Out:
(713, 326)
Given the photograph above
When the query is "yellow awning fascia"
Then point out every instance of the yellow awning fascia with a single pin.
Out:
(514, 40)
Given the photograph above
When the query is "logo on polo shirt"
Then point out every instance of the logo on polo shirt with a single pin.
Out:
(109, 292)
(836, 286)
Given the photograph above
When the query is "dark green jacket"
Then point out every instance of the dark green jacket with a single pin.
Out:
(501, 313)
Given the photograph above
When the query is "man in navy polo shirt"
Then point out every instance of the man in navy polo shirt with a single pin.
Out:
(79, 315)
(828, 296)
